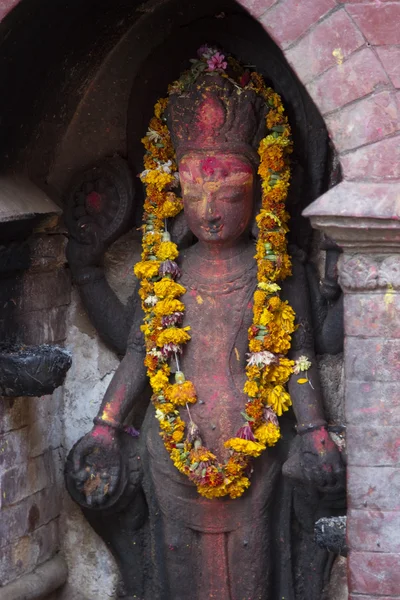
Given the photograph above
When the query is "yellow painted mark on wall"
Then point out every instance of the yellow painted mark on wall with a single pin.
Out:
(199, 299)
(389, 296)
(338, 54)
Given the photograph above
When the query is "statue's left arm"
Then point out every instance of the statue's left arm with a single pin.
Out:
(320, 458)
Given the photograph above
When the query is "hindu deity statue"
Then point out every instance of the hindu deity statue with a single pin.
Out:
(223, 332)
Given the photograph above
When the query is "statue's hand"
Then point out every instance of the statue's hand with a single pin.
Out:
(320, 461)
(96, 465)
(88, 249)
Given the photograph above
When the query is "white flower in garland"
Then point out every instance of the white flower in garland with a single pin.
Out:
(151, 300)
(262, 359)
(301, 364)
(153, 135)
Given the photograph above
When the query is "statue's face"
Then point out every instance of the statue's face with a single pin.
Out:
(218, 195)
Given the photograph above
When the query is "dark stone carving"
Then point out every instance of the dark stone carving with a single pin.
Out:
(330, 533)
(32, 370)
(260, 545)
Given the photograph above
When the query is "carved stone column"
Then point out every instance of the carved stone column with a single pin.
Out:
(364, 219)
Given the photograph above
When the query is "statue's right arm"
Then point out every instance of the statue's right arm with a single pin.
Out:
(110, 317)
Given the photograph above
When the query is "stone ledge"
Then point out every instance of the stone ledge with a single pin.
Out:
(21, 199)
(37, 585)
(360, 216)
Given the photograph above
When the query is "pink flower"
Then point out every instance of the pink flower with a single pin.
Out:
(245, 433)
(217, 62)
(169, 350)
(169, 267)
(270, 416)
(175, 318)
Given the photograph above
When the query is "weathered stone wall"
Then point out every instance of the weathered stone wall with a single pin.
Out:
(31, 457)
(93, 574)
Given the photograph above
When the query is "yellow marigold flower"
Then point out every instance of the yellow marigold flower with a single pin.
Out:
(267, 434)
(166, 426)
(146, 269)
(253, 372)
(255, 345)
(245, 446)
(158, 381)
(280, 373)
(173, 335)
(168, 306)
(286, 317)
(179, 463)
(202, 455)
(160, 107)
(259, 298)
(179, 424)
(237, 487)
(266, 317)
(251, 388)
(167, 251)
(171, 208)
(279, 400)
(177, 436)
(158, 178)
(181, 393)
(165, 407)
(168, 288)
(234, 468)
(212, 492)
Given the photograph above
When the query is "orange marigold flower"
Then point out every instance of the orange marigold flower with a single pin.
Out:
(177, 436)
(181, 393)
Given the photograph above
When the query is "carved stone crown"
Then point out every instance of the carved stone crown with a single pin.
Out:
(215, 114)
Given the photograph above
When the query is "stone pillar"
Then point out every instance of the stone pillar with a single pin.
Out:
(364, 219)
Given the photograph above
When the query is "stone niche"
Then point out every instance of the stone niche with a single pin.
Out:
(93, 73)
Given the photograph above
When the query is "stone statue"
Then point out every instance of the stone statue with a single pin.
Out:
(194, 547)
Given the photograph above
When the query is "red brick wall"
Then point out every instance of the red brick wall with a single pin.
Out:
(348, 56)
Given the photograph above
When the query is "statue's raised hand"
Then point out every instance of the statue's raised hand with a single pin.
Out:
(86, 249)
(95, 467)
(320, 460)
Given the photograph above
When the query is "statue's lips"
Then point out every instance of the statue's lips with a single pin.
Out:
(212, 228)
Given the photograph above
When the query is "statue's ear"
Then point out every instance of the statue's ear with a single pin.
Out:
(180, 232)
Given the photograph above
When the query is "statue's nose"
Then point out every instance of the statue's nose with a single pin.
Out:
(211, 213)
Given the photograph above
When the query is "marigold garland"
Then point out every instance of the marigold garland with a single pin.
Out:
(273, 319)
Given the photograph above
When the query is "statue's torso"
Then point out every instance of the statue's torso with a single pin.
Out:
(219, 312)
